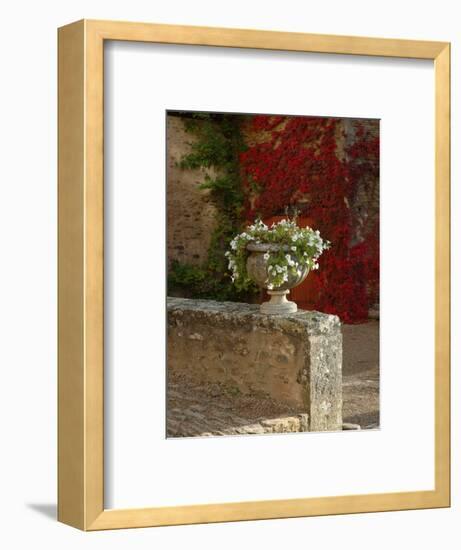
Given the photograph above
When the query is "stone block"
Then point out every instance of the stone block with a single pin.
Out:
(294, 358)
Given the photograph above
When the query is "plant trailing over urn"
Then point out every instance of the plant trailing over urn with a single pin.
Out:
(276, 258)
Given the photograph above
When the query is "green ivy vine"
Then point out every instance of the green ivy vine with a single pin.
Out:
(216, 151)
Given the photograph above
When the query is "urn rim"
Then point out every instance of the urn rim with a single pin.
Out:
(266, 247)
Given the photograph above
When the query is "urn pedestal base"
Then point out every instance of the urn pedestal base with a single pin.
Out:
(278, 304)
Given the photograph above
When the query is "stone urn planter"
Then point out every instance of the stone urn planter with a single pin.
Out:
(257, 268)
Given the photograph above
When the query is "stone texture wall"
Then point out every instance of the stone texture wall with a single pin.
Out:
(365, 206)
(295, 359)
(190, 214)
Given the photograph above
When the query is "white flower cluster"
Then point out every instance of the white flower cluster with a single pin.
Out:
(276, 271)
(232, 267)
(296, 249)
(259, 225)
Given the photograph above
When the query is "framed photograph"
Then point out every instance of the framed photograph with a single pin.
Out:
(254, 284)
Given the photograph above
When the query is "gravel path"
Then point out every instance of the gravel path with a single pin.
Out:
(214, 410)
(361, 374)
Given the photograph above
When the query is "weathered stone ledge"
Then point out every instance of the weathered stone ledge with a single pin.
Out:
(249, 315)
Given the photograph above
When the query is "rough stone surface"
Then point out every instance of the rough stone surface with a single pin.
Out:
(293, 359)
(190, 212)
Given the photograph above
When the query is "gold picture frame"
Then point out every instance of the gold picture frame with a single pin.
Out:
(81, 265)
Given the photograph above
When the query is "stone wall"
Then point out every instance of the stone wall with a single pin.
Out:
(294, 359)
(190, 214)
(365, 206)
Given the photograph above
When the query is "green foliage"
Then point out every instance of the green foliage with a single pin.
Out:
(185, 275)
(190, 281)
(215, 151)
